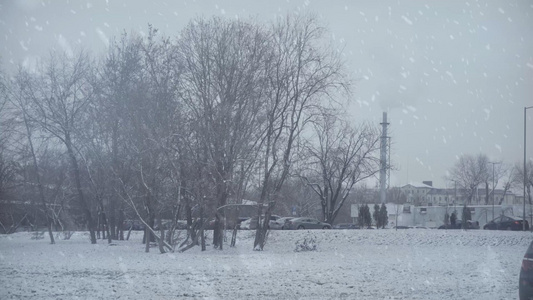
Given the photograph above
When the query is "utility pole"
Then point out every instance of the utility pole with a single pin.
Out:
(493, 187)
(455, 195)
(525, 179)
(383, 160)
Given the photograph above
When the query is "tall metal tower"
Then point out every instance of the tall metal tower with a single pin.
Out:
(383, 160)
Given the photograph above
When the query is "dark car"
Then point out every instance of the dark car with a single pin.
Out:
(525, 281)
(307, 223)
(402, 227)
(346, 226)
(459, 225)
(281, 223)
(229, 223)
(506, 223)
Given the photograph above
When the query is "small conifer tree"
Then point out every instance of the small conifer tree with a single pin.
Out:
(467, 216)
(377, 216)
(383, 215)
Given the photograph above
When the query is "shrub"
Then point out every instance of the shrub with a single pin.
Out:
(309, 243)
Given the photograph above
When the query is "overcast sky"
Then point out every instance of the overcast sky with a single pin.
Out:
(454, 76)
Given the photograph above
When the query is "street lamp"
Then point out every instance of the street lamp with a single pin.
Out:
(524, 213)
(493, 187)
(454, 195)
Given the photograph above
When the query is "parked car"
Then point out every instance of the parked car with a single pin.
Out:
(419, 227)
(281, 223)
(459, 225)
(346, 226)
(525, 281)
(251, 223)
(307, 223)
(401, 227)
(181, 224)
(240, 220)
(506, 223)
(167, 224)
(246, 224)
(229, 223)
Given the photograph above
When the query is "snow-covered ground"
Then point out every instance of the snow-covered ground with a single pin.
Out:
(349, 264)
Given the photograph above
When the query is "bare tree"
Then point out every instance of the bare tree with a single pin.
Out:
(7, 165)
(397, 197)
(60, 94)
(117, 83)
(297, 199)
(302, 74)
(341, 157)
(224, 67)
(519, 178)
(508, 174)
(495, 172)
(469, 172)
(19, 98)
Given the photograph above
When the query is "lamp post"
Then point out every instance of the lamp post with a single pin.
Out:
(454, 195)
(454, 202)
(493, 187)
(524, 213)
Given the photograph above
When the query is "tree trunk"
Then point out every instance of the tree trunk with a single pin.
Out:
(112, 220)
(262, 230)
(81, 198)
(487, 194)
(202, 238)
(161, 239)
(98, 226)
(108, 230)
(39, 184)
(218, 232)
(120, 227)
(147, 236)
(175, 219)
(129, 232)
(218, 236)
(188, 212)
(151, 222)
(234, 237)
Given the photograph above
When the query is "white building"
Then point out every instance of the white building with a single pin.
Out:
(426, 195)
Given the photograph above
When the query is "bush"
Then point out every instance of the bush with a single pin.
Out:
(309, 243)
(37, 235)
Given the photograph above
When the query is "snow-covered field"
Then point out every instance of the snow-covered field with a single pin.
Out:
(349, 264)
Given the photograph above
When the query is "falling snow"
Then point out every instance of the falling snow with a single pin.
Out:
(407, 20)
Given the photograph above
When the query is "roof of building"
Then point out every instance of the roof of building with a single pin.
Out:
(451, 191)
(436, 191)
(418, 185)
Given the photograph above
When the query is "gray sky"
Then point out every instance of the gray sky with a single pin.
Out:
(454, 76)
